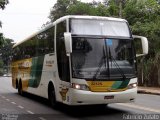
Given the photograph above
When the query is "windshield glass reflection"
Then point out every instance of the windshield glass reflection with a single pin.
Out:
(101, 58)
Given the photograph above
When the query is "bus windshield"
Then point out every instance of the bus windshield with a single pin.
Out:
(102, 58)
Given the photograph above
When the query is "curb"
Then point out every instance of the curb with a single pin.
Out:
(147, 92)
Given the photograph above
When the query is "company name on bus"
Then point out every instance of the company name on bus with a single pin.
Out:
(96, 83)
(49, 63)
(24, 65)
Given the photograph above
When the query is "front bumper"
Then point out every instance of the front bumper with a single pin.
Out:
(81, 97)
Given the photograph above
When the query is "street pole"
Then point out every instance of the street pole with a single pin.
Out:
(120, 8)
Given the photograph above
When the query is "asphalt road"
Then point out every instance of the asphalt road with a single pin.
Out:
(30, 107)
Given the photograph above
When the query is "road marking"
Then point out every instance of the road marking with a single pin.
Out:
(8, 99)
(13, 103)
(20, 106)
(3, 97)
(30, 112)
(139, 107)
(41, 118)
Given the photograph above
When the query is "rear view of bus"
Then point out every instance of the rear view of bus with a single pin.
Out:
(103, 61)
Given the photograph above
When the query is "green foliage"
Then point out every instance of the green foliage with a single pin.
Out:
(60, 8)
(101, 10)
(1, 63)
(75, 7)
(1, 39)
(3, 3)
(140, 10)
(6, 52)
(1, 67)
(88, 9)
(113, 8)
(143, 16)
(81, 9)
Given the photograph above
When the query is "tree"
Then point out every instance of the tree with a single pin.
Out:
(81, 9)
(1, 39)
(5, 55)
(143, 17)
(75, 7)
(3, 3)
(101, 10)
(115, 7)
(60, 8)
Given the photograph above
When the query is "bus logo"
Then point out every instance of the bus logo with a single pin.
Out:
(96, 83)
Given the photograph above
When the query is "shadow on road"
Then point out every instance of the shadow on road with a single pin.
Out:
(87, 111)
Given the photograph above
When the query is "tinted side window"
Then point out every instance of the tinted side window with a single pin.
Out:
(62, 59)
(25, 50)
(45, 42)
(15, 54)
(38, 45)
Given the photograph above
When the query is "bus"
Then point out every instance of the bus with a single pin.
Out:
(79, 60)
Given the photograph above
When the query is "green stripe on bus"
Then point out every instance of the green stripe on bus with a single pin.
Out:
(36, 71)
(116, 84)
(120, 84)
(124, 84)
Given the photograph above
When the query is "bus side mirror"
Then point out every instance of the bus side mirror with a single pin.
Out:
(68, 43)
(144, 43)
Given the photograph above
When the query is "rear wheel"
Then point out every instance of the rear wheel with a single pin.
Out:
(20, 91)
(16, 84)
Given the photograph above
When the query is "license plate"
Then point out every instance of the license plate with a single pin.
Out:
(109, 97)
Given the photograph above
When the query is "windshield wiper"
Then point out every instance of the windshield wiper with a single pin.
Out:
(116, 64)
(99, 68)
(102, 61)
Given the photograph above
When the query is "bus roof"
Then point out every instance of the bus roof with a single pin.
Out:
(89, 17)
(68, 17)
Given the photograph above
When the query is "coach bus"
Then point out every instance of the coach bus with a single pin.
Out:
(79, 60)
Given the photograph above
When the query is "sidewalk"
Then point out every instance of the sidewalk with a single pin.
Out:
(149, 90)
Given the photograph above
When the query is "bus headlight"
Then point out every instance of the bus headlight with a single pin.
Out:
(80, 86)
(132, 85)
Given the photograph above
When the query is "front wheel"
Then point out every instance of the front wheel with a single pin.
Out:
(52, 97)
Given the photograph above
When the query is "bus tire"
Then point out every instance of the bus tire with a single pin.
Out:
(52, 96)
(20, 91)
(16, 84)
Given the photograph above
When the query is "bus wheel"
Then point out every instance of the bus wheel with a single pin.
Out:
(52, 96)
(16, 84)
(20, 91)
